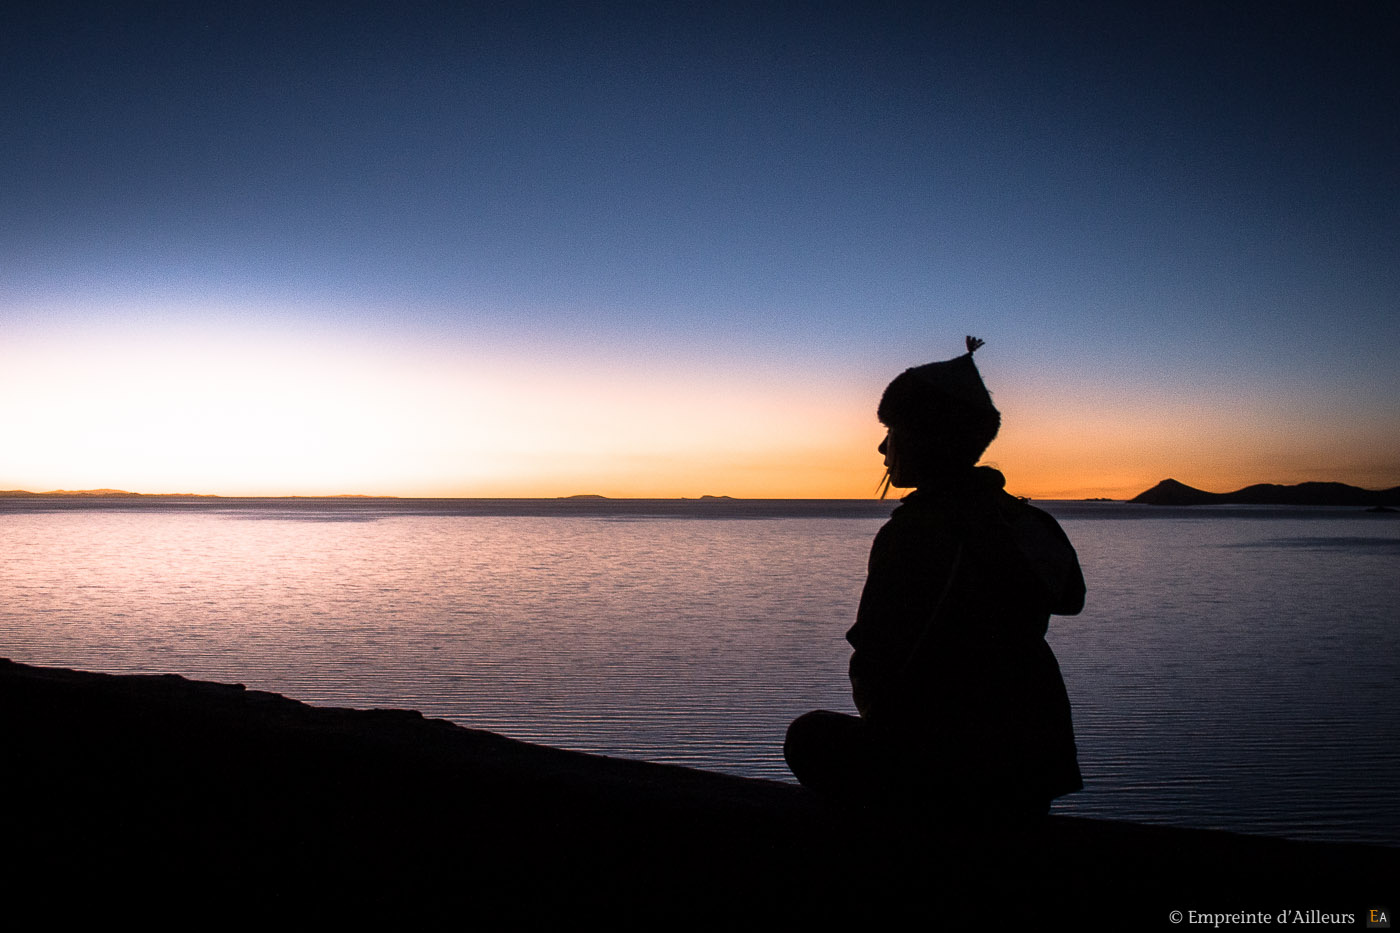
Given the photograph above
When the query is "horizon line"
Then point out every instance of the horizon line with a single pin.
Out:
(111, 493)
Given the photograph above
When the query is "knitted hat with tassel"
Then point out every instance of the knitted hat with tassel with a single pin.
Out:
(945, 400)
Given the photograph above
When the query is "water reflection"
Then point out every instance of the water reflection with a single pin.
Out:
(1219, 677)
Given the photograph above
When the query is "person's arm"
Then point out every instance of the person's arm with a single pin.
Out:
(910, 565)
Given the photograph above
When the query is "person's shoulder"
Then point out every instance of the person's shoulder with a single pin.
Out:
(916, 513)
(1051, 554)
(920, 533)
(1023, 509)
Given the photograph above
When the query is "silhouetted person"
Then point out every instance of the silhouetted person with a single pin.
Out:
(963, 713)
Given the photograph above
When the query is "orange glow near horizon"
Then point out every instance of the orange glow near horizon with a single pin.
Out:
(238, 413)
(233, 414)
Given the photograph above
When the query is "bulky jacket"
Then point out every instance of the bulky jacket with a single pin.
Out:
(951, 664)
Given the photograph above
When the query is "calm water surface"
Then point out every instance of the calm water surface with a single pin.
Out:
(1234, 668)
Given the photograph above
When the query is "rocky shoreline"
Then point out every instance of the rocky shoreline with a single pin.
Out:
(162, 794)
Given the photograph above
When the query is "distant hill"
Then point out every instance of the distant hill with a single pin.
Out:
(74, 492)
(1171, 492)
(123, 494)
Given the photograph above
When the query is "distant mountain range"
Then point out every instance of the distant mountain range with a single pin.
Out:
(83, 492)
(1171, 492)
(123, 494)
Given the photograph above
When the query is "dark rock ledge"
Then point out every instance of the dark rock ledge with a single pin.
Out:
(159, 796)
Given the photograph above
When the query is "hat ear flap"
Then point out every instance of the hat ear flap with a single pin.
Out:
(900, 402)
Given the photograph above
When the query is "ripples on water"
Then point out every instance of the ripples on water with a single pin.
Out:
(1234, 668)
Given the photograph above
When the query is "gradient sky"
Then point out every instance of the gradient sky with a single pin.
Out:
(678, 249)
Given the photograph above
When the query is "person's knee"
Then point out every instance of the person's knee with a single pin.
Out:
(809, 728)
(817, 742)
(804, 725)
(798, 738)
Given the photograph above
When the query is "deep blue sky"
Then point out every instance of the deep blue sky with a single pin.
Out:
(1136, 202)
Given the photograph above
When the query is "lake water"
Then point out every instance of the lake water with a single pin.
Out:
(1234, 668)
